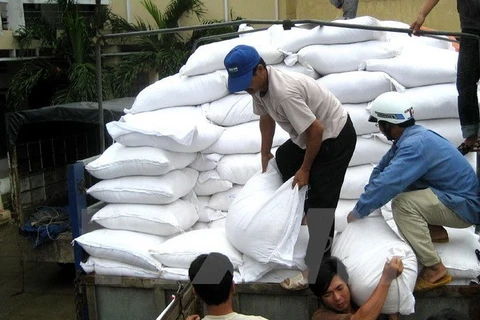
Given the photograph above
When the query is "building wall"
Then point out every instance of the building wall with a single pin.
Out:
(443, 17)
(216, 9)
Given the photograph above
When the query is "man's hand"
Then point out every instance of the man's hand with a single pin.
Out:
(393, 269)
(415, 26)
(193, 317)
(351, 217)
(301, 178)
(265, 159)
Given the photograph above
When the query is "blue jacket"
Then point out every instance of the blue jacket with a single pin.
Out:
(422, 159)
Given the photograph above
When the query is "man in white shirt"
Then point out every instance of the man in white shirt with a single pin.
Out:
(321, 144)
(212, 280)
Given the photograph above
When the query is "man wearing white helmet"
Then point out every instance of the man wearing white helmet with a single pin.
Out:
(430, 183)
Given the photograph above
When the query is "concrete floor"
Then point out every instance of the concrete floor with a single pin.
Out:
(43, 291)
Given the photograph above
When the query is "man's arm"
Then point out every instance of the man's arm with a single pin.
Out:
(267, 129)
(427, 6)
(314, 137)
(372, 308)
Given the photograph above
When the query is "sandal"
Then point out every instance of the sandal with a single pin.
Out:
(464, 149)
(476, 146)
(422, 285)
(296, 283)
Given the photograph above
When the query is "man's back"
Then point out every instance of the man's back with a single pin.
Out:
(443, 169)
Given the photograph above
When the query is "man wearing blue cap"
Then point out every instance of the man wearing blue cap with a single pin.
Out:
(321, 144)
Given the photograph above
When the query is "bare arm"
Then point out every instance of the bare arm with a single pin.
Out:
(427, 6)
(267, 129)
(314, 137)
(372, 308)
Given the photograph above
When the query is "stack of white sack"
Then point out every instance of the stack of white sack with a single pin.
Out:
(193, 114)
(158, 180)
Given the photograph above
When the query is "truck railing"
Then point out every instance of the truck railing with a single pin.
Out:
(176, 301)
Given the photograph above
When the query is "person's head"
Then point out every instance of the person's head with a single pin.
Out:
(393, 113)
(212, 278)
(448, 314)
(331, 285)
(246, 70)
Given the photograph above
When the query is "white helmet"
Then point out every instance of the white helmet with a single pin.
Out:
(391, 107)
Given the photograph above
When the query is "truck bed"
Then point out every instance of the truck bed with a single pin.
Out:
(110, 297)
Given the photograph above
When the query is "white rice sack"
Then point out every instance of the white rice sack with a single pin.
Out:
(105, 267)
(174, 274)
(447, 128)
(252, 270)
(404, 39)
(244, 138)
(364, 247)
(119, 161)
(266, 201)
(298, 68)
(277, 276)
(369, 149)
(336, 58)
(239, 168)
(181, 250)
(359, 86)
(160, 123)
(185, 135)
(301, 249)
(123, 246)
(177, 90)
(417, 66)
(458, 254)
(223, 200)
(205, 162)
(359, 115)
(146, 189)
(218, 224)
(231, 110)
(158, 219)
(209, 182)
(356, 178)
(207, 214)
(434, 101)
(209, 57)
(297, 38)
(344, 207)
(200, 225)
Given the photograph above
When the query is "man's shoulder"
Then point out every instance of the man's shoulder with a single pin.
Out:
(248, 317)
(234, 316)
(326, 314)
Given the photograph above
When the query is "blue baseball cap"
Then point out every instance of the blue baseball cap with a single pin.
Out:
(240, 62)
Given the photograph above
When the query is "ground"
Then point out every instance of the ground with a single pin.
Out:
(41, 291)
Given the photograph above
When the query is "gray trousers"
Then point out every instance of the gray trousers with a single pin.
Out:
(413, 211)
(349, 7)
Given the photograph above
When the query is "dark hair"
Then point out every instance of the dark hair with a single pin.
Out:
(448, 314)
(261, 62)
(329, 268)
(211, 276)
